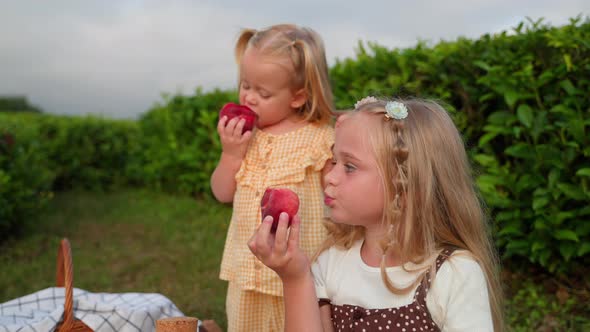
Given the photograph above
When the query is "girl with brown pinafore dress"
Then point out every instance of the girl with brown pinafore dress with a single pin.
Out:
(408, 248)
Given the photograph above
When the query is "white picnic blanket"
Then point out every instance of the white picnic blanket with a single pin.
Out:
(102, 312)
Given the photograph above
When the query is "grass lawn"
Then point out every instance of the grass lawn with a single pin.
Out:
(136, 240)
(126, 241)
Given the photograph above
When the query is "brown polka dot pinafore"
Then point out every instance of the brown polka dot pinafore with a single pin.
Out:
(413, 317)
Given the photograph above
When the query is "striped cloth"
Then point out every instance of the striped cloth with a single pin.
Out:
(293, 160)
(102, 312)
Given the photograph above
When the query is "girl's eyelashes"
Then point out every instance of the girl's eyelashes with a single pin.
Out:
(348, 167)
(262, 93)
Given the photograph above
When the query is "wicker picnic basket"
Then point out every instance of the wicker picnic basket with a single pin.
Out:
(65, 278)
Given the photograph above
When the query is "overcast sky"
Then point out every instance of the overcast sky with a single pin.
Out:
(115, 58)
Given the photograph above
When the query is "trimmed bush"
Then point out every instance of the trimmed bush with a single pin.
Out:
(25, 178)
(179, 142)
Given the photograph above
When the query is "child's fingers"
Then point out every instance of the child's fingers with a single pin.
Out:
(237, 131)
(262, 238)
(231, 125)
(294, 233)
(246, 136)
(221, 124)
(253, 240)
(281, 234)
(252, 244)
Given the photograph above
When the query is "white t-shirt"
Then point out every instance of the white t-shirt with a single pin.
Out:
(457, 299)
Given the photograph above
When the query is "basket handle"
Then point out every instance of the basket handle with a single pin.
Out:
(65, 279)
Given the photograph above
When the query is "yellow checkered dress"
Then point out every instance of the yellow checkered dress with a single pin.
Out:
(293, 160)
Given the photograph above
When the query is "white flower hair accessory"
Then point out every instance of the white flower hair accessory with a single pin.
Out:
(396, 110)
(364, 101)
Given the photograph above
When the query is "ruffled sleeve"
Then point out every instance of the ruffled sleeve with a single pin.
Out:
(323, 149)
(313, 152)
(283, 160)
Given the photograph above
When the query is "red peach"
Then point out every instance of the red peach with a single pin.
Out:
(277, 200)
(231, 110)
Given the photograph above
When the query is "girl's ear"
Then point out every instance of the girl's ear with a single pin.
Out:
(299, 99)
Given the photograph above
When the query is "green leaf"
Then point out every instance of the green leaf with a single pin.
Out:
(549, 155)
(518, 246)
(511, 98)
(486, 138)
(520, 150)
(567, 250)
(482, 65)
(554, 175)
(485, 160)
(584, 211)
(544, 257)
(583, 172)
(505, 215)
(584, 249)
(540, 202)
(527, 182)
(569, 87)
(516, 132)
(566, 234)
(487, 97)
(538, 245)
(540, 225)
(510, 230)
(572, 191)
(568, 61)
(501, 118)
(560, 217)
(486, 183)
(561, 109)
(525, 115)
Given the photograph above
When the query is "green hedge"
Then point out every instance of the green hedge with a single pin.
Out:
(25, 179)
(88, 152)
(179, 142)
(40, 154)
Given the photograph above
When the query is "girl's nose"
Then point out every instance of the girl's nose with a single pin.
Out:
(249, 99)
(330, 176)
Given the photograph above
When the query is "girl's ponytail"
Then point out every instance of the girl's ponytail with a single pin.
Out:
(242, 43)
(315, 83)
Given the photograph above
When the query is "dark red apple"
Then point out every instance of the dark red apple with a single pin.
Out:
(232, 110)
(277, 200)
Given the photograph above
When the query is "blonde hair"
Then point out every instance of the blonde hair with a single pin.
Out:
(304, 48)
(430, 198)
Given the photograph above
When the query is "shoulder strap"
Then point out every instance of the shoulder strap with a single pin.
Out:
(424, 286)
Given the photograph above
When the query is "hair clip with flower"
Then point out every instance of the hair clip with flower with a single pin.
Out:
(364, 101)
(396, 110)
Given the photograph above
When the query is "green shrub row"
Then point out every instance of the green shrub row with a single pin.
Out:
(40, 154)
(173, 147)
(25, 179)
(179, 145)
